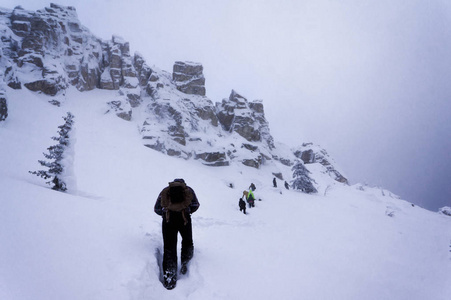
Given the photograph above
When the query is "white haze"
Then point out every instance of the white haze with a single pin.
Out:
(367, 80)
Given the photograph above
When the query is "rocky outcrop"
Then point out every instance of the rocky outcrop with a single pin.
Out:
(143, 71)
(189, 78)
(311, 154)
(48, 86)
(121, 108)
(245, 118)
(40, 33)
(118, 70)
(215, 159)
(446, 210)
(3, 106)
(49, 50)
(178, 120)
(188, 127)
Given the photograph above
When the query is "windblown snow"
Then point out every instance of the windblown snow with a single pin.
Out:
(100, 240)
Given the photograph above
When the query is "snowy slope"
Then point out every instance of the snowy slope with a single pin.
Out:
(100, 240)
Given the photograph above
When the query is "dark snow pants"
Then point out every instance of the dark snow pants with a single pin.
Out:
(170, 232)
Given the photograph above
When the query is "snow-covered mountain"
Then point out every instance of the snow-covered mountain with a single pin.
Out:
(100, 239)
(48, 51)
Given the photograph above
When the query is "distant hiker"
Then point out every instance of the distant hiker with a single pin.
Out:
(287, 186)
(242, 205)
(249, 198)
(274, 182)
(252, 187)
(175, 204)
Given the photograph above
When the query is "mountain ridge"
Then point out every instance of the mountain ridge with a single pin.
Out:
(49, 50)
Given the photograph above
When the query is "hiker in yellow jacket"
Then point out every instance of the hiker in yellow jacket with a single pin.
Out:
(250, 198)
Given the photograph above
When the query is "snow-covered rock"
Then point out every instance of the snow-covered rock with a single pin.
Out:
(314, 154)
(49, 50)
(189, 78)
(446, 210)
(246, 118)
(3, 106)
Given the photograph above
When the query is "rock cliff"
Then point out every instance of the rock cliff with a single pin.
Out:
(49, 51)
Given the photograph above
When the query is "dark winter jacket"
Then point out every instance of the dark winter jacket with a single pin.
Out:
(192, 207)
(242, 204)
(287, 186)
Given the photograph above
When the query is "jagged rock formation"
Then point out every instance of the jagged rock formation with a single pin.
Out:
(245, 118)
(311, 154)
(188, 126)
(3, 106)
(237, 115)
(188, 78)
(49, 51)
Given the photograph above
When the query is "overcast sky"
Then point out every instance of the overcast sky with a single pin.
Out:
(369, 80)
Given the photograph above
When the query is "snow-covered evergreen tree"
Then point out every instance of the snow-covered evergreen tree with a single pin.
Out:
(56, 156)
(301, 180)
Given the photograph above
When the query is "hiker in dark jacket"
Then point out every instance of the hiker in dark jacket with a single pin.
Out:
(274, 182)
(242, 205)
(175, 204)
(287, 186)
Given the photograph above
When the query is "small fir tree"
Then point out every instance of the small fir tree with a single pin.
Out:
(55, 156)
(301, 180)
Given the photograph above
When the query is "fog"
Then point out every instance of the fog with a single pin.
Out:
(367, 80)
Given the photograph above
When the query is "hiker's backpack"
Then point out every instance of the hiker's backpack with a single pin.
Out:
(176, 197)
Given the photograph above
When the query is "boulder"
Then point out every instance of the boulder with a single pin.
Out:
(215, 159)
(133, 96)
(47, 87)
(121, 108)
(11, 79)
(254, 162)
(278, 175)
(446, 210)
(188, 78)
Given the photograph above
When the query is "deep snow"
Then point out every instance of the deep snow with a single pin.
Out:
(100, 240)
